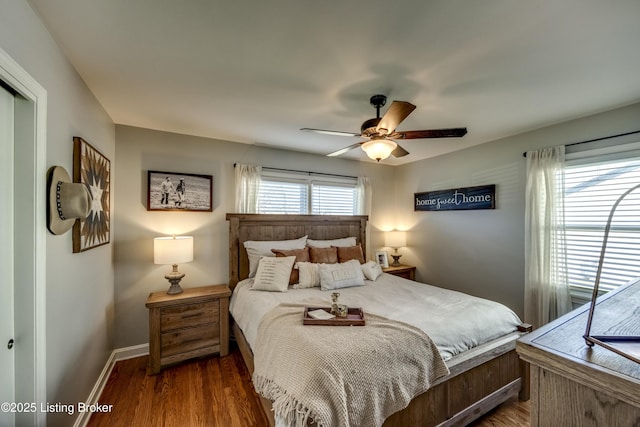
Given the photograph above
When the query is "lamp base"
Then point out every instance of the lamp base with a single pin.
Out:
(396, 260)
(174, 278)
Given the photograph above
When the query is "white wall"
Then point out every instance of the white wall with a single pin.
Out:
(481, 252)
(79, 307)
(139, 150)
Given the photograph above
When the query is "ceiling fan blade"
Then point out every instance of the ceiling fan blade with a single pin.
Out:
(399, 152)
(345, 149)
(397, 112)
(431, 133)
(330, 132)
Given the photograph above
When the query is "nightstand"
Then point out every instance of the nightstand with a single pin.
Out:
(192, 324)
(406, 271)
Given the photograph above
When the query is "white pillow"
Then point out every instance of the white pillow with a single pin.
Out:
(309, 276)
(337, 276)
(260, 248)
(371, 270)
(273, 274)
(346, 241)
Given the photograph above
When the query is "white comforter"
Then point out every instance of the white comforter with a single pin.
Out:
(455, 321)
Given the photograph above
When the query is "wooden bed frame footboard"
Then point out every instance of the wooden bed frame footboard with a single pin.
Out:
(479, 380)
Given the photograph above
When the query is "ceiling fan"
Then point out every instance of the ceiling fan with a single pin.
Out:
(381, 131)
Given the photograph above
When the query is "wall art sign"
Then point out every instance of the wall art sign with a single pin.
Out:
(92, 169)
(172, 191)
(481, 197)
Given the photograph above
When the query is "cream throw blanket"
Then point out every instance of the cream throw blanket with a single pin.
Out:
(340, 375)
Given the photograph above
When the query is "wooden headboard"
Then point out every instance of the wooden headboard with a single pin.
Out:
(243, 227)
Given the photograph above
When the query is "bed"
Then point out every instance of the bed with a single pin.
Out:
(478, 379)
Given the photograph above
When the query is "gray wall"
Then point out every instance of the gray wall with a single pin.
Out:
(139, 150)
(477, 252)
(79, 287)
(482, 252)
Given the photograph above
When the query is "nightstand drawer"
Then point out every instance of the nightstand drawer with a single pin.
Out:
(192, 324)
(189, 315)
(405, 274)
(404, 271)
(185, 340)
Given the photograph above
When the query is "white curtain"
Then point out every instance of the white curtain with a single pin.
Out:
(247, 188)
(363, 190)
(546, 286)
(363, 201)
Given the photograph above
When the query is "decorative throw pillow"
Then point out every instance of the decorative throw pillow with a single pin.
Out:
(302, 255)
(273, 274)
(347, 253)
(259, 248)
(338, 276)
(309, 275)
(323, 255)
(345, 241)
(371, 270)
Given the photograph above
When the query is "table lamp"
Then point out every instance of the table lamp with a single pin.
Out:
(395, 239)
(173, 250)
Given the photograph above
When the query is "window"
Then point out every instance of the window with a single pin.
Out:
(306, 193)
(592, 185)
(333, 199)
(282, 197)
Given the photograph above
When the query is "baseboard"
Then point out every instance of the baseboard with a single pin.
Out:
(131, 352)
(116, 355)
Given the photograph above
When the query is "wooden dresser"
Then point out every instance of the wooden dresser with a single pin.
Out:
(576, 385)
(191, 324)
(406, 271)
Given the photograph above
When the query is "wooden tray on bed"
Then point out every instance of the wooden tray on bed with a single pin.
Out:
(355, 317)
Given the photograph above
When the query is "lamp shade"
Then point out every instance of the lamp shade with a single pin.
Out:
(172, 250)
(379, 149)
(395, 239)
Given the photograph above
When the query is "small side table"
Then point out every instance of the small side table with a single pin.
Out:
(192, 324)
(406, 271)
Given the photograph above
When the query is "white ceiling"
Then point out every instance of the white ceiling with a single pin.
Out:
(256, 72)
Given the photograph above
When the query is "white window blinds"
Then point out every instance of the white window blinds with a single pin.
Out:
(333, 199)
(591, 188)
(283, 197)
(283, 192)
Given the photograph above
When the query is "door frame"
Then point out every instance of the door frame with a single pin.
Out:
(31, 153)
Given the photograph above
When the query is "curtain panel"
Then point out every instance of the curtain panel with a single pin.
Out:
(247, 188)
(363, 202)
(546, 286)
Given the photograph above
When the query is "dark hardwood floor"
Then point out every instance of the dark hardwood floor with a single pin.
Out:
(204, 392)
(512, 413)
(213, 392)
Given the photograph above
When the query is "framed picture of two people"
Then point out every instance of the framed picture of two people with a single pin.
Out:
(172, 191)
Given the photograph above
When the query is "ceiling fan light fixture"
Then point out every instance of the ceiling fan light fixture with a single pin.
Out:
(381, 131)
(379, 149)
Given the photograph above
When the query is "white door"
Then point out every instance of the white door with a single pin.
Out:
(7, 361)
